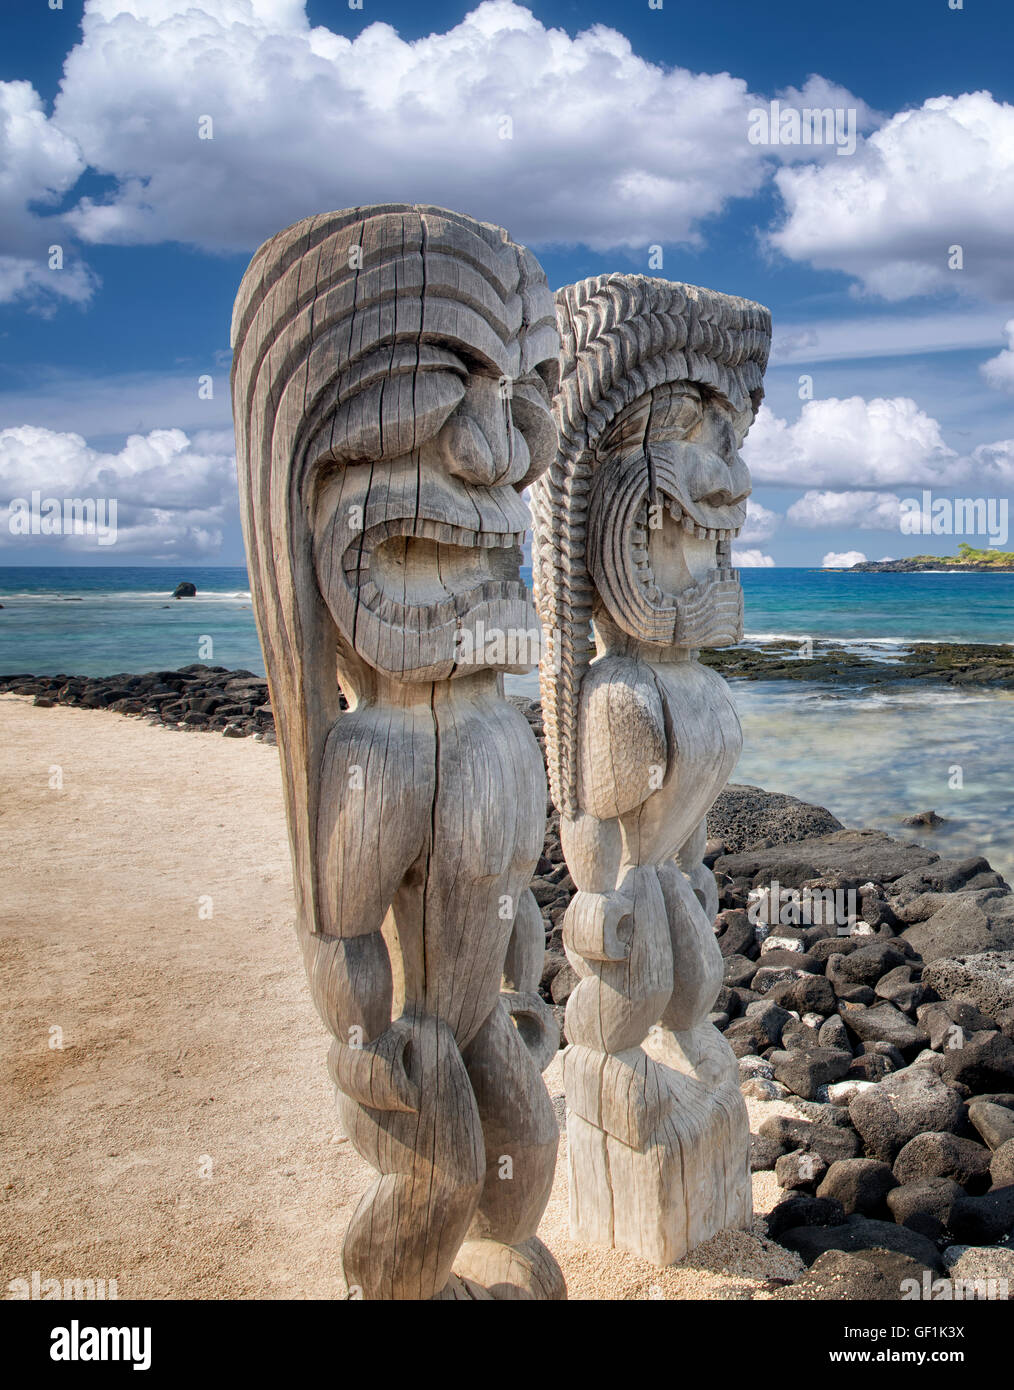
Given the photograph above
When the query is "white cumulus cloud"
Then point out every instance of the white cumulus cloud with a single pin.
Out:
(760, 523)
(870, 511)
(751, 559)
(927, 180)
(842, 559)
(562, 138)
(172, 492)
(38, 164)
(865, 444)
(999, 370)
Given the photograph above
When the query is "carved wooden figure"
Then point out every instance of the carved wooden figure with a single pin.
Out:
(392, 377)
(633, 531)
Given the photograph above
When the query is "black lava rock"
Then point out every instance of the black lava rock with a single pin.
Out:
(941, 1155)
(861, 1186)
(801, 1210)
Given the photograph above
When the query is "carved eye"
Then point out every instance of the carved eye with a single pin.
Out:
(676, 412)
(627, 430)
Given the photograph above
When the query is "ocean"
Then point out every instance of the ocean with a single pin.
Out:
(871, 756)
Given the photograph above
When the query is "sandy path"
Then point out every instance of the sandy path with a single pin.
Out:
(184, 1139)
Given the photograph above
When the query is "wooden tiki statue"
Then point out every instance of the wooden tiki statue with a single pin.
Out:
(392, 379)
(633, 530)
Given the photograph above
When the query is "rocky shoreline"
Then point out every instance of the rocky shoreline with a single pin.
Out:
(197, 697)
(930, 564)
(890, 1031)
(893, 1035)
(235, 702)
(930, 663)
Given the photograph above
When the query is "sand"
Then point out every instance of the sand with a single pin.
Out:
(182, 1137)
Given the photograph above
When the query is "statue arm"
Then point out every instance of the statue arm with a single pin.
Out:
(371, 825)
(522, 971)
(690, 858)
(623, 741)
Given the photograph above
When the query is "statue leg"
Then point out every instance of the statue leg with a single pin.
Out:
(405, 1233)
(691, 860)
(708, 1111)
(520, 1133)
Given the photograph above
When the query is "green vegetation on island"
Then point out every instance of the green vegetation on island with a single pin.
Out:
(967, 558)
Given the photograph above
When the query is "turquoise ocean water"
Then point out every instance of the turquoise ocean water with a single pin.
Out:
(868, 755)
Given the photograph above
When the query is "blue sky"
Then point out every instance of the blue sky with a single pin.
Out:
(629, 130)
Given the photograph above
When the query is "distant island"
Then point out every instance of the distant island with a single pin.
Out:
(967, 558)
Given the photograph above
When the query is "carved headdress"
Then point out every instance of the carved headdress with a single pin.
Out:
(623, 336)
(353, 335)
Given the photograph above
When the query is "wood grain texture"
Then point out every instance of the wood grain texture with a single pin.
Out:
(378, 354)
(632, 561)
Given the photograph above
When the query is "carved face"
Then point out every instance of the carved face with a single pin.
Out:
(418, 556)
(668, 499)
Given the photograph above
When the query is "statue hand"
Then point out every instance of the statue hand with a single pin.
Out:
(376, 1073)
(591, 923)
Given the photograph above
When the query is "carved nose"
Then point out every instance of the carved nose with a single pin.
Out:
(466, 451)
(714, 480)
(480, 444)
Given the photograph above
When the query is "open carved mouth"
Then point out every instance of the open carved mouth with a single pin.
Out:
(662, 560)
(433, 564)
(668, 573)
(705, 521)
(400, 567)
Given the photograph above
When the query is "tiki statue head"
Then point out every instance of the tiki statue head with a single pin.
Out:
(634, 522)
(392, 377)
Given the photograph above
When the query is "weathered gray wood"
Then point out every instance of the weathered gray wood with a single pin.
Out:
(632, 563)
(380, 464)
